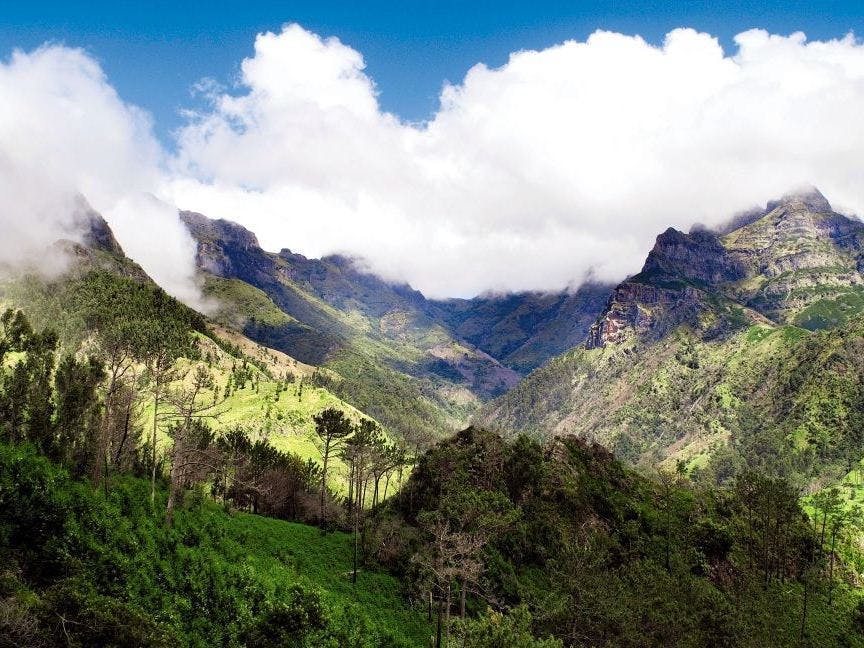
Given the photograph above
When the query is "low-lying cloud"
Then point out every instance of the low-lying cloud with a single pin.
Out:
(64, 134)
(561, 164)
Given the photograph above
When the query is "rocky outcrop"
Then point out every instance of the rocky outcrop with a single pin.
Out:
(777, 262)
(697, 257)
(645, 310)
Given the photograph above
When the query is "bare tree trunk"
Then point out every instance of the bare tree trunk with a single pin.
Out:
(169, 510)
(447, 616)
(351, 486)
(324, 479)
(831, 572)
(438, 636)
(153, 455)
(356, 525)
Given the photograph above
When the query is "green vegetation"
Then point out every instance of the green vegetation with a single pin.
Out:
(84, 569)
(832, 312)
(594, 554)
(528, 545)
(239, 304)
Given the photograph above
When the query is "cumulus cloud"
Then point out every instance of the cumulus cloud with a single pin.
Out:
(562, 163)
(65, 133)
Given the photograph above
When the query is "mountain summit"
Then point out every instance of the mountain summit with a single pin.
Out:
(799, 262)
(747, 335)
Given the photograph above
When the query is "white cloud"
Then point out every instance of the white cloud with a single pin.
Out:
(64, 132)
(560, 163)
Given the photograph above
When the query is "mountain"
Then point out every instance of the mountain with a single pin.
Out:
(524, 330)
(391, 355)
(724, 339)
(262, 389)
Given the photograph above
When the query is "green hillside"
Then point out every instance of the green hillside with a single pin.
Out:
(83, 569)
(723, 352)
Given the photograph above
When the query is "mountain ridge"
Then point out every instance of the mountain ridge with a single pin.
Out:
(721, 339)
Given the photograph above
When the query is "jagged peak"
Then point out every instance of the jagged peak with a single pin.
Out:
(95, 231)
(808, 196)
(201, 226)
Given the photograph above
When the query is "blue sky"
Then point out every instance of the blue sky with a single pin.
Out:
(559, 162)
(154, 52)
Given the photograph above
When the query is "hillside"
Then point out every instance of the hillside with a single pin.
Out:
(392, 357)
(81, 568)
(589, 552)
(749, 335)
(524, 330)
(264, 390)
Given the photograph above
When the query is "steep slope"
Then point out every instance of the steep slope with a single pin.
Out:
(704, 346)
(524, 330)
(391, 355)
(266, 391)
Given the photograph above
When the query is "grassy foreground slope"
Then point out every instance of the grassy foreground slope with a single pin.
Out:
(80, 568)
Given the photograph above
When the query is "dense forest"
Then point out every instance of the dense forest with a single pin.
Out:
(129, 517)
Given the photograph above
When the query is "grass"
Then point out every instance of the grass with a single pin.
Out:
(209, 577)
(830, 313)
(298, 553)
(239, 302)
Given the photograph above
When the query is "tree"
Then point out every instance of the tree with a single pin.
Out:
(76, 383)
(162, 342)
(26, 405)
(193, 456)
(357, 452)
(332, 427)
(497, 630)
(458, 530)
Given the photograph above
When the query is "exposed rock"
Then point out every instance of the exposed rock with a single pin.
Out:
(780, 261)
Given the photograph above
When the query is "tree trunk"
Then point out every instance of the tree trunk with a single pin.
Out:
(447, 616)
(153, 455)
(462, 598)
(351, 486)
(831, 571)
(324, 479)
(169, 510)
(438, 631)
(356, 524)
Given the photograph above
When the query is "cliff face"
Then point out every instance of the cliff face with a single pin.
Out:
(645, 311)
(793, 264)
(698, 257)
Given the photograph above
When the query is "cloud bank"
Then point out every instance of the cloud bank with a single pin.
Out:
(562, 164)
(65, 133)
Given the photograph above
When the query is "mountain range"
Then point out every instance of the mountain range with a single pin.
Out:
(751, 326)
(415, 364)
